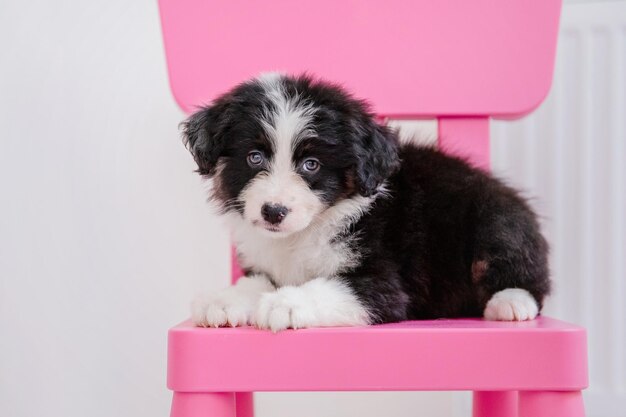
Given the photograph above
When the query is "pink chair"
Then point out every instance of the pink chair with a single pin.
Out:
(461, 62)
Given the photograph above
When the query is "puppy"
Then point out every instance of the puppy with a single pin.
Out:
(337, 224)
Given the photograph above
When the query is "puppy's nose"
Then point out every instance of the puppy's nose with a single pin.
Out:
(274, 213)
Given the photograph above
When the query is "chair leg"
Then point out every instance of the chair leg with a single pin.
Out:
(494, 404)
(551, 404)
(245, 404)
(203, 404)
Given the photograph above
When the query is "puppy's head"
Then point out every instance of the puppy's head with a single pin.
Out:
(281, 150)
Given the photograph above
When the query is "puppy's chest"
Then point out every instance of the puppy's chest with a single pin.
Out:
(295, 261)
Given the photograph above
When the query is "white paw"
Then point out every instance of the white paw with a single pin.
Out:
(512, 304)
(232, 306)
(317, 303)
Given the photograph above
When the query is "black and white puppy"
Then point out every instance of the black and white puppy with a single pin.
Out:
(337, 224)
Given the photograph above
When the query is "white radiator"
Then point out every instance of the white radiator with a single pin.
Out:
(571, 155)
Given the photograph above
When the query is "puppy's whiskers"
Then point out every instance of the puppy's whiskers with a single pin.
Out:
(232, 204)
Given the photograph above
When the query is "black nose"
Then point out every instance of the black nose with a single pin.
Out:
(274, 213)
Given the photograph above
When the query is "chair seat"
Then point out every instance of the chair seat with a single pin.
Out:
(462, 354)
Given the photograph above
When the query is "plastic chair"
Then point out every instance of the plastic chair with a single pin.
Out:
(461, 62)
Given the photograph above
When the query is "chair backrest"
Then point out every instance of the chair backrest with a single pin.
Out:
(409, 58)
(460, 61)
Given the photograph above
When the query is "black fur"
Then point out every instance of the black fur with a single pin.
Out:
(440, 241)
(449, 238)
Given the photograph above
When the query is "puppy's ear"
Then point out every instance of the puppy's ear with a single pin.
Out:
(202, 135)
(376, 155)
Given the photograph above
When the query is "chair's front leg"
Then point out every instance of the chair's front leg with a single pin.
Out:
(494, 404)
(245, 404)
(203, 404)
(551, 404)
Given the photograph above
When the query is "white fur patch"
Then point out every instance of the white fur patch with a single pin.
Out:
(303, 255)
(512, 304)
(285, 188)
(318, 303)
(286, 123)
(270, 77)
(232, 306)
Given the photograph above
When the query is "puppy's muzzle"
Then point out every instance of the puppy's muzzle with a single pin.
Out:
(274, 213)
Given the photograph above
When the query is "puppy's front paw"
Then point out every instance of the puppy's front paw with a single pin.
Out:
(320, 302)
(512, 304)
(232, 306)
(285, 308)
(220, 309)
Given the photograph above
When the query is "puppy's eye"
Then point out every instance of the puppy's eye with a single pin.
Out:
(255, 159)
(311, 165)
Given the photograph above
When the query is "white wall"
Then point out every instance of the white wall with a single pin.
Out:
(104, 232)
(104, 228)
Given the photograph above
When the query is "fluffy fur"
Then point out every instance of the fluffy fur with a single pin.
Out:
(336, 223)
